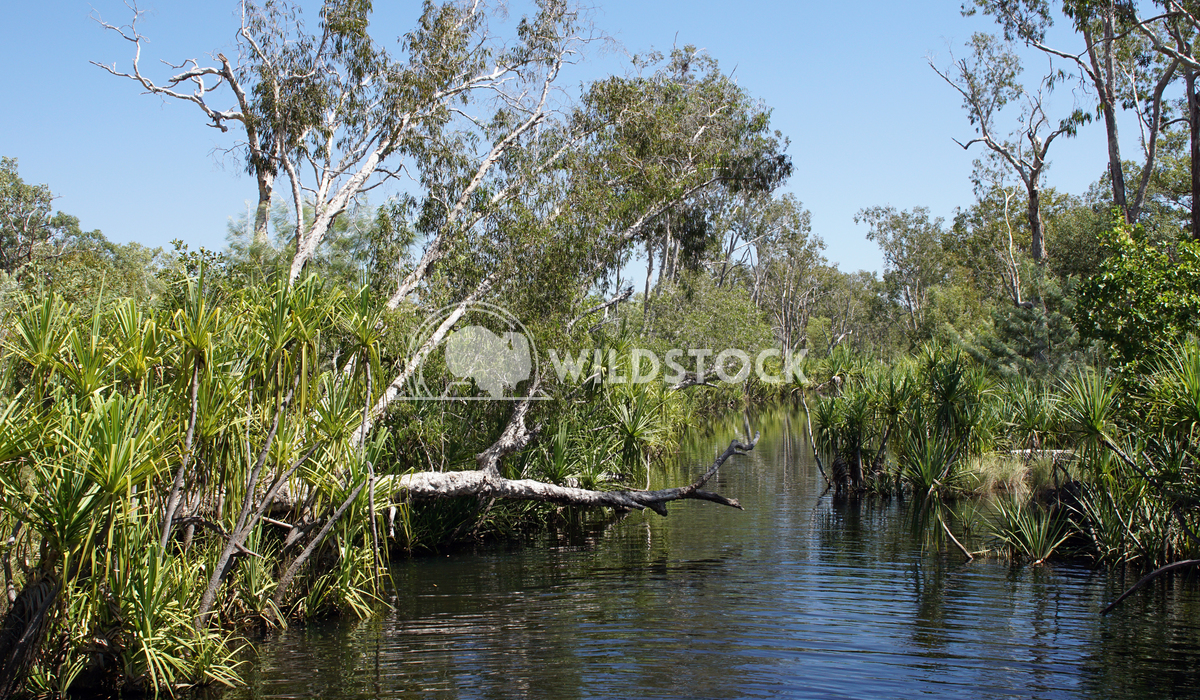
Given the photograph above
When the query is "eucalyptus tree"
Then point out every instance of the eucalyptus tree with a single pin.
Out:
(29, 228)
(672, 143)
(338, 115)
(639, 155)
(988, 81)
(1116, 64)
(913, 254)
(986, 242)
(1173, 34)
(335, 103)
(785, 268)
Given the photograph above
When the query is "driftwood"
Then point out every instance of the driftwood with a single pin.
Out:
(427, 485)
(487, 482)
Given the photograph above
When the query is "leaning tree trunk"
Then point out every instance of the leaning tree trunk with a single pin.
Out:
(1103, 72)
(487, 482)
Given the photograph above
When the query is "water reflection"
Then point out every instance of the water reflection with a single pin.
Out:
(801, 594)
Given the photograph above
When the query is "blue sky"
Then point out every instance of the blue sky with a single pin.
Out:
(869, 121)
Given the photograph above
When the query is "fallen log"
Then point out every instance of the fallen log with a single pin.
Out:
(488, 483)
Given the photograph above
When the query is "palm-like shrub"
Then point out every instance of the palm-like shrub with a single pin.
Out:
(1026, 531)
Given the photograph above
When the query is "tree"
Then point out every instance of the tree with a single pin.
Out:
(29, 232)
(988, 82)
(671, 150)
(1111, 52)
(786, 277)
(335, 104)
(39, 248)
(1175, 39)
(985, 241)
(1143, 297)
(913, 257)
(518, 207)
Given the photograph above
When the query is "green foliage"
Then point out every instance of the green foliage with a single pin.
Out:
(1026, 531)
(98, 420)
(1030, 414)
(209, 385)
(40, 250)
(933, 415)
(1143, 298)
(29, 231)
(928, 460)
(700, 314)
(1089, 402)
(1038, 339)
(912, 245)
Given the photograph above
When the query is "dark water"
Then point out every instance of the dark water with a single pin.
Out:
(797, 596)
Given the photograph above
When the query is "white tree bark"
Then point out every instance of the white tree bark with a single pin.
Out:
(487, 482)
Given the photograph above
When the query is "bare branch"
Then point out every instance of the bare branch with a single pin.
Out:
(1185, 564)
(628, 292)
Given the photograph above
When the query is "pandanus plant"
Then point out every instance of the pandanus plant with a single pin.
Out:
(893, 392)
(37, 337)
(1027, 531)
(1030, 415)
(121, 439)
(140, 344)
(929, 459)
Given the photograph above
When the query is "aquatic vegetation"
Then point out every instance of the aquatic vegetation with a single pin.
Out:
(929, 461)
(1026, 531)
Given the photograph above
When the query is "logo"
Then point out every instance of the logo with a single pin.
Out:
(487, 354)
(493, 352)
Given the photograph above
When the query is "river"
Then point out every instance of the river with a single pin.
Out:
(799, 595)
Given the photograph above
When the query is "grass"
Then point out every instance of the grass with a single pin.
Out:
(994, 472)
(999, 472)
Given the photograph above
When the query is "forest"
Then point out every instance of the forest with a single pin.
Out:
(194, 443)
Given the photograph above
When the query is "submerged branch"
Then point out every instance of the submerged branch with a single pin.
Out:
(1186, 563)
(813, 440)
(961, 548)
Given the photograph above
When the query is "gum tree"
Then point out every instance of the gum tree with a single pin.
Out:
(337, 115)
(523, 201)
(988, 81)
(1115, 64)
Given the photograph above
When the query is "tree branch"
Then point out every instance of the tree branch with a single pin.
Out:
(1187, 563)
(602, 306)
